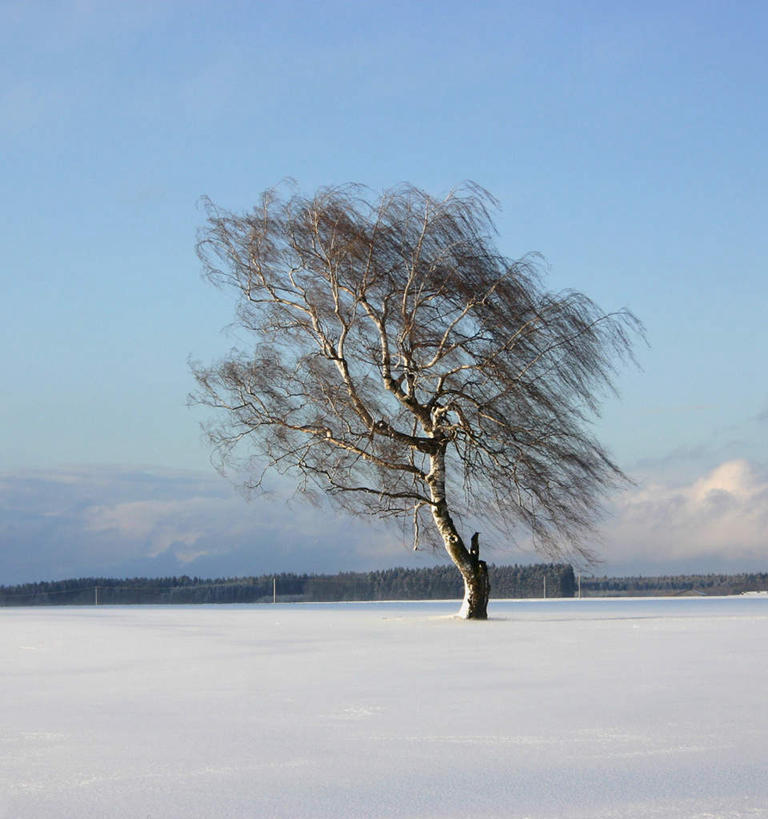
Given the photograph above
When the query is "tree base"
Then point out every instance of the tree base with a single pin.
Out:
(477, 590)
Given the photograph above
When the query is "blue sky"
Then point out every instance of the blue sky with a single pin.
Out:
(624, 141)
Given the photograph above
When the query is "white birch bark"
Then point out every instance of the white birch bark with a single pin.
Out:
(445, 525)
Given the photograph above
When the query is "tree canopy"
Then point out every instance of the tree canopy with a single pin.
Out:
(400, 363)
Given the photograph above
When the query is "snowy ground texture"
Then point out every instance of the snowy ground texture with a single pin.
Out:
(570, 708)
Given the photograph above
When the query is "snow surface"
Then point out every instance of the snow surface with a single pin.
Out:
(567, 708)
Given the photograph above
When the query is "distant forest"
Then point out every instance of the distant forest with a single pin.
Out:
(437, 583)
(703, 584)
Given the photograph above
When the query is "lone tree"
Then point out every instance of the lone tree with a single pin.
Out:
(404, 366)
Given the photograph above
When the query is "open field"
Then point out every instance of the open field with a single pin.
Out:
(567, 708)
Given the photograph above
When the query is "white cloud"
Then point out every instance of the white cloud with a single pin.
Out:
(129, 522)
(717, 519)
(160, 524)
(116, 521)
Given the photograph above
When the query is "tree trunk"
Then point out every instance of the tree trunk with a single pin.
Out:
(477, 586)
(474, 571)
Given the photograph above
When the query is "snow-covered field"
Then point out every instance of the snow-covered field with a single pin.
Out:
(568, 708)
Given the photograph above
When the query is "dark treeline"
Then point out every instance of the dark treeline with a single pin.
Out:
(437, 583)
(710, 584)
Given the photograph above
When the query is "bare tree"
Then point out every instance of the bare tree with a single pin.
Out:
(405, 367)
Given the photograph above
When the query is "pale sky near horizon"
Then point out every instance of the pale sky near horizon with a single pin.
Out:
(625, 142)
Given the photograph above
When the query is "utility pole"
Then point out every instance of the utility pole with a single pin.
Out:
(95, 595)
(545, 587)
(274, 590)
